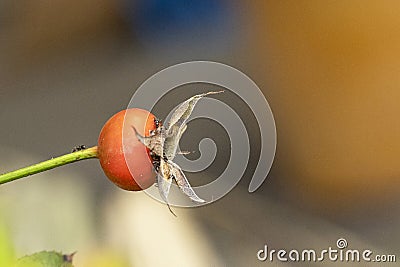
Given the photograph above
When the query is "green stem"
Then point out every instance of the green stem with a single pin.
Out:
(49, 164)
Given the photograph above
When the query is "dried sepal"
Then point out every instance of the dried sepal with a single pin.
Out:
(153, 142)
(163, 144)
(183, 183)
(177, 124)
(185, 109)
(164, 181)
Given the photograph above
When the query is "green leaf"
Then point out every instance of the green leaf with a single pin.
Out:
(6, 246)
(45, 259)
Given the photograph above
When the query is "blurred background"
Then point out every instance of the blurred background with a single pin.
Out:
(329, 70)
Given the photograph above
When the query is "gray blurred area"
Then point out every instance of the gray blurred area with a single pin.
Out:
(67, 66)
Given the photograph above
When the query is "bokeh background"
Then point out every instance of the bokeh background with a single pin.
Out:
(329, 70)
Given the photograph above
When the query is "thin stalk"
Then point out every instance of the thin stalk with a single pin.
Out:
(49, 164)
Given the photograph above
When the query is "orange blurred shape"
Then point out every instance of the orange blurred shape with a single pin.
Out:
(332, 77)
